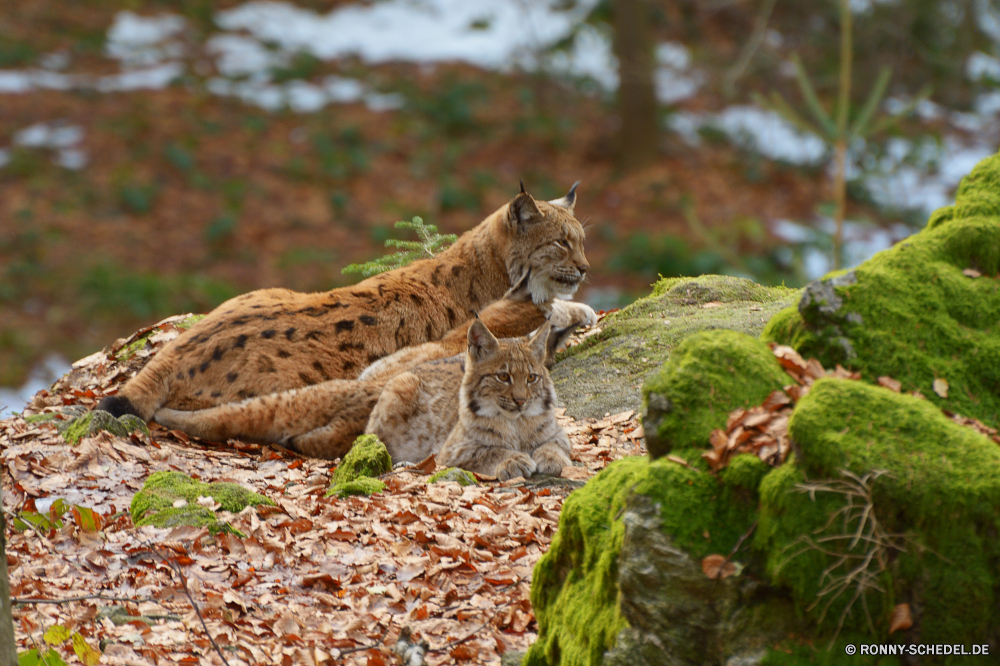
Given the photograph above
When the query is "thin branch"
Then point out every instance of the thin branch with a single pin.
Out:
(85, 597)
(177, 568)
(360, 648)
(732, 553)
(750, 48)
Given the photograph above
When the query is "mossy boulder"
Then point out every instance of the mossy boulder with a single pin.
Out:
(932, 480)
(358, 471)
(455, 475)
(154, 504)
(93, 422)
(622, 582)
(605, 372)
(708, 375)
(918, 312)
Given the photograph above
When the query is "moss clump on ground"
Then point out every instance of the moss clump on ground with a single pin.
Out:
(940, 488)
(911, 313)
(606, 371)
(357, 472)
(707, 376)
(361, 486)
(97, 420)
(154, 504)
(574, 590)
(456, 475)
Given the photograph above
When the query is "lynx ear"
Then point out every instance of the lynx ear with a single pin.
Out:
(522, 211)
(567, 201)
(539, 341)
(482, 344)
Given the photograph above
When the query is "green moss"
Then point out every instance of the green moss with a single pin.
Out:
(708, 375)
(456, 475)
(368, 457)
(361, 486)
(97, 420)
(941, 489)
(909, 312)
(574, 588)
(154, 504)
(606, 371)
(41, 418)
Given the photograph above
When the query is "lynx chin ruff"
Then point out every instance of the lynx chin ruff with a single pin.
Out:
(277, 340)
(492, 408)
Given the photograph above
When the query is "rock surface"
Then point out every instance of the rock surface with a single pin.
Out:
(888, 501)
(605, 373)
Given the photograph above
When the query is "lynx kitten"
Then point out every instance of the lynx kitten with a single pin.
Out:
(492, 407)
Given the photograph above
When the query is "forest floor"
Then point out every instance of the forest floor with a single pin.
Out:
(313, 579)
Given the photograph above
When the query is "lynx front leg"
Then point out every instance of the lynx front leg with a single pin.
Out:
(492, 461)
(551, 457)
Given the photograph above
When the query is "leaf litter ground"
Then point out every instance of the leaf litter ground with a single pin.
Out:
(314, 579)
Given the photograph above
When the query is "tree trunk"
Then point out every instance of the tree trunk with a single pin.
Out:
(8, 649)
(638, 138)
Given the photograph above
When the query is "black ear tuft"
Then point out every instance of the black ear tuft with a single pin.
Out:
(522, 186)
(571, 195)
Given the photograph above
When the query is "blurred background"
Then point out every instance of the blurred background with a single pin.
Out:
(160, 156)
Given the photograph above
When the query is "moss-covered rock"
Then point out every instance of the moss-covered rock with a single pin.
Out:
(154, 504)
(455, 475)
(708, 375)
(911, 313)
(606, 371)
(357, 472)
(95, 421)
(183, 322)
(576, 589)
(367, 457)
(940, 487)
(361, 486)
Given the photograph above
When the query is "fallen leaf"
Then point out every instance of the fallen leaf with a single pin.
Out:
(901, 618)
(972, 273)
(715, 566)
(573, 472)
(890, 383)
(941, 387)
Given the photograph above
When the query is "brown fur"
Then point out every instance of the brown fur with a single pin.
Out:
(506, 424)
(323, 420)
(276, 340)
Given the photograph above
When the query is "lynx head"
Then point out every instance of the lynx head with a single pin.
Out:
(507, 378)
(546, 246)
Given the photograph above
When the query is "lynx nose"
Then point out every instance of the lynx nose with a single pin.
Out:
(519, 402)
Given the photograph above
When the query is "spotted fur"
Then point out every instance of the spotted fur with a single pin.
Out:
(277, 340)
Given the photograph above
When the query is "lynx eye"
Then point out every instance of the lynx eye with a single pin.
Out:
(504, 377)
(561, 243)
(532, 378)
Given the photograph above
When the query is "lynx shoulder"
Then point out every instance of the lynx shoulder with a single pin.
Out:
(276, 340)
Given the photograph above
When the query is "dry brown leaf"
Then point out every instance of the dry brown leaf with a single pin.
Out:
(890, 383)
(573, 472)
(901, 618)
(678, 460)
(940, 387)
(972, 273)
(776, 400)
(789, 358)
(716, 566)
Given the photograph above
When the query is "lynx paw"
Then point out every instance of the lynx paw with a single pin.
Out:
(571, 313)
(549, 461)
(518, 464)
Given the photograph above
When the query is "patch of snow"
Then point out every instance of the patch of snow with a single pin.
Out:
(156, 77)
(769, 134)
(143, 41)
(590, 56)
(982, 66)
(861, 242)
(673, 80)
(4, 157)
(41, 376)
(49, 135)
(72, 158)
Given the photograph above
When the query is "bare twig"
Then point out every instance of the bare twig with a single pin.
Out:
(85, 597)
(360, 648)
(750, 48)
(732, 553)
(184, 585)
